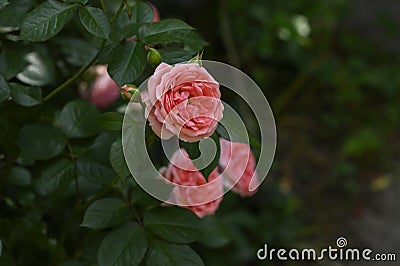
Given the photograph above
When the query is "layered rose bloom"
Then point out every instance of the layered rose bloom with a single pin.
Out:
(195, 193)
(237, 165)
(183, 100)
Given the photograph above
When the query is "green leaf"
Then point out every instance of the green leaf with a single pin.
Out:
(40, 71)
(10, 61)
(83, 2)
(128, 64)
(77, 52)
(142, 13)
(215, 234)
(99, 149)
(25, 95)
(108, 53)
(56, 176)
(93, 171)
(365, 141)
(193, 42)
(87, 188)
(125, 33)
(126, 245)
(94, 21)
(46, 20)
(173, 55)
(117, 159)
(4, 90)
(192, 148)
(77, 119)
(106, 213)
(12, 14)
(3, 3)
(222, 132)
(19, 176)
(168, 254)
(174, 224)
(25, 161)
(128, 9)
(162, 31)
(110, 120)
(41, 141)
(73, 262)
(125, 27)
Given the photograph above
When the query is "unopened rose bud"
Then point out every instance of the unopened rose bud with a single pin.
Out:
(103, 91)
(156, 14)
(153, 57)
(130, 91)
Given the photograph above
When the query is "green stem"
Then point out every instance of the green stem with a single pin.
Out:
(103, 6)
(121, 6)
(82, 207)
(72, 155)
(83, 69)
(131, 208)
(71, 80)
(100, 194)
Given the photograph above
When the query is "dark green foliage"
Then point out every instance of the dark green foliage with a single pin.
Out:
(62, 166)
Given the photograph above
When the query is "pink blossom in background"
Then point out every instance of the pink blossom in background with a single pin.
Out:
(183, 100)
(202, 200)
(237, 164)
(155, 12)
(103, 91)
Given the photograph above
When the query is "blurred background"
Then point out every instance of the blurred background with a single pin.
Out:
(331, 72)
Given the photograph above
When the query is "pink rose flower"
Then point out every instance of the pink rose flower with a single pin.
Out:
(103, 91)
(183, 100)
(237, 164)
(195, 193)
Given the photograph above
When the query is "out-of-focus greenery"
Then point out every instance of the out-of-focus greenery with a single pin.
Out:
(335, 96)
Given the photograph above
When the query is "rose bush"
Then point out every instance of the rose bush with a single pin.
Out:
(62, 165)
(183, 100)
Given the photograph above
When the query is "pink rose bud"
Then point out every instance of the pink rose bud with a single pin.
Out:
(193, 195)
(153, 57)
(129, 91)
(183, 100)
(237, 164)
(103, 91)
(156, 16)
